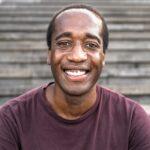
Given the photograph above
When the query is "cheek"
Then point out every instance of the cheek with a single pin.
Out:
(57, 57)
(97, 58)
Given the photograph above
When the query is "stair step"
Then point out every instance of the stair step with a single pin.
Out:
(21, 28)
(19, 36)
(131, 89)
(49, 12)
(23, 45)
(40, 56)
(128, 56)
(61, 3)
(45, 19)
(143, 101)
(41, 45)
(8, 87)
(37, 2)
(23, 57)
(129, 36)
(58, 6)
(41, 36)
(146, 108)
(124, 45)
(24, 71)
(39, 70)
(43, 27)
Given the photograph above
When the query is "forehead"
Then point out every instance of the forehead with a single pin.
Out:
(80, 20)
(80, 12)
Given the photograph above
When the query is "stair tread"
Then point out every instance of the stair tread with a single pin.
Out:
(32, 70)
(40, 56)
(40, 45)
(23, 85)
(37, 36)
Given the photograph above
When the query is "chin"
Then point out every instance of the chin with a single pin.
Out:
(77, 90)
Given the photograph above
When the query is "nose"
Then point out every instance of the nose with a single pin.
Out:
(77, 54)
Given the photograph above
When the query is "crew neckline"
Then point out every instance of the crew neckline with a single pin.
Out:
(51, 112)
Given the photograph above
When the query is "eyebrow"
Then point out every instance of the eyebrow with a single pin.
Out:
(69, 34)
(65, 34)
(91, 36)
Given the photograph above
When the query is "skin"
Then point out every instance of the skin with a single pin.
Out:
(77, 48)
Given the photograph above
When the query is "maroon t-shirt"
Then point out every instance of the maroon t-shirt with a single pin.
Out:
(113, 123)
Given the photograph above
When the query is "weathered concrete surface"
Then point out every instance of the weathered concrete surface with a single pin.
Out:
(147, 108)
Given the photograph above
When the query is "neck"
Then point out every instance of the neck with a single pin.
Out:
(70, 107)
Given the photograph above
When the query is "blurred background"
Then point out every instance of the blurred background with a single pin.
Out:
(23, 49)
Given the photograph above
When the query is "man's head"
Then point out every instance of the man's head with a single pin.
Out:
(105, 34)
(76, 50)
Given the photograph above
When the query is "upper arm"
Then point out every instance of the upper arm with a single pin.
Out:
(8, 136)
(139, 138)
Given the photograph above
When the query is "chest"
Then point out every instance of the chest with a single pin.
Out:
(92, 134)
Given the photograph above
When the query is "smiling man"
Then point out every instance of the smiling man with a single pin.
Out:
(76, 57)
(74, 112)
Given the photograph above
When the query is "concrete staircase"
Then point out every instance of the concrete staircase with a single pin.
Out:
(23, 47)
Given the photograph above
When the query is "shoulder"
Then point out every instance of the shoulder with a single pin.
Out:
(128, 114)
(21, 103)
(120, 105)
(18, 113)
(116, 98)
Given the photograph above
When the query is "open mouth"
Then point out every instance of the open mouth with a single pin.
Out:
(75, 72)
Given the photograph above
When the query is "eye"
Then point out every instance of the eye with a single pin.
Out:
(64, 44)
(91, 45)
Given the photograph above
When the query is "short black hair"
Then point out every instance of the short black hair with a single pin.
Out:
(51, 27)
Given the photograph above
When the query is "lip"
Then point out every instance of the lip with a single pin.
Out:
(72, 67)
(78, 77)
(75, 67)
(75, 72)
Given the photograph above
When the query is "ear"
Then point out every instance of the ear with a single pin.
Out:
(49, 57)
(103, 63)
(103, 59)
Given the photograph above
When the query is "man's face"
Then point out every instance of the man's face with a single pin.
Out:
(76, 53)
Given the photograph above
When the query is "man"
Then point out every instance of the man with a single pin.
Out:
(74, 112)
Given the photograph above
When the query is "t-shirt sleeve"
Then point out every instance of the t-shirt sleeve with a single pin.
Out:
(8, 137)
(139, 138)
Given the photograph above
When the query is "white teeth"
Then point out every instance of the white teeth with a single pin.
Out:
(75, 72)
